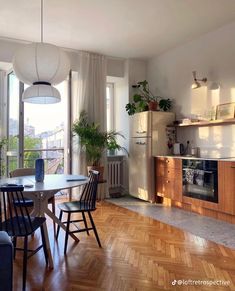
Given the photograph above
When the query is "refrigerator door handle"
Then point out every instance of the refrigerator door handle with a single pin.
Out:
(141, 143)
(143, 131)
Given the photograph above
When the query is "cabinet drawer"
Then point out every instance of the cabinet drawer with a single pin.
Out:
(167, 172)
(232, 165)
(169, 162)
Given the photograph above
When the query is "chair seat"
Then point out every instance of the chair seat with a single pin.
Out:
(76, 206)
(19, 227)
(27, 203)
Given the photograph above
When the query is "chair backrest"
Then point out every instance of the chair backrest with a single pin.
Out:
(22, 172)
(88, 197)
(15, 219)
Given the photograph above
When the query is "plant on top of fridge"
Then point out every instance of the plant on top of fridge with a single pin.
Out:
(144, 100)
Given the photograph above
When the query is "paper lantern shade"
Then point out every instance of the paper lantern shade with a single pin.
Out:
(41, 94)
(41, 62)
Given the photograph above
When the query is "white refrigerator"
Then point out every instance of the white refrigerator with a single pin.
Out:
(148, 138)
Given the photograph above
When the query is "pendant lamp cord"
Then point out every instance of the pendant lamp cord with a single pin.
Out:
(41, 21)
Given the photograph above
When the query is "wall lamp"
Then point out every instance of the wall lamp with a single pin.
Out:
(197, 82)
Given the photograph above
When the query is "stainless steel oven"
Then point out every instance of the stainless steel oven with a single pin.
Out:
(200, 179)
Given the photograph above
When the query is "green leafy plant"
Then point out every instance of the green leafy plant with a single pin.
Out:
(92, 140)
(165, 104)
(113, 145)
(141, 98)
(3, 143)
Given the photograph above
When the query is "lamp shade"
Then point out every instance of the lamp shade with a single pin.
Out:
(41, 94)
(41, 62)
(214, 86)
(196, 85)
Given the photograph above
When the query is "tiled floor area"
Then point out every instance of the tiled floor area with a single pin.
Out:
(205, 227)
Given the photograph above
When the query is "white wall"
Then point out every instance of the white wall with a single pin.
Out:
(115, 66)
(170, 75)
(134, 71)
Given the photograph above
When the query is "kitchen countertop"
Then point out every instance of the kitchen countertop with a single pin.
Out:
(229, 159)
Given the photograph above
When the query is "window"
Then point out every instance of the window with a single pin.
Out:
(37, 130)
(13, 122)
(110, 106)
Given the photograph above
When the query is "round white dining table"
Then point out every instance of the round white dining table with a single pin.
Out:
(41, 192)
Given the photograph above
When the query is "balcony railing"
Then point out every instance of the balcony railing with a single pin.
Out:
(53, 157)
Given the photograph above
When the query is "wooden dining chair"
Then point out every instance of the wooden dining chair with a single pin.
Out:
(86, 204)
(17, 222)
(28, 172)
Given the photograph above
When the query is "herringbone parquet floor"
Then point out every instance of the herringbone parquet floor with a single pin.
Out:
(138, 253)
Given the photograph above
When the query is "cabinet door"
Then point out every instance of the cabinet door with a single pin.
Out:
(178, 186)
(226, 186)
(164, 187)
(140, 124)
(160, 186)
(169, 178)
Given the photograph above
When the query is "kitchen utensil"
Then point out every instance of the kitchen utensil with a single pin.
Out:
(178, 149)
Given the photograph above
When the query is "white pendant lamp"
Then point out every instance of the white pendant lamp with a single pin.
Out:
(41, 94)
(41, 65)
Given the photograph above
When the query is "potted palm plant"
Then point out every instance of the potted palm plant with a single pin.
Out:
(94, 141)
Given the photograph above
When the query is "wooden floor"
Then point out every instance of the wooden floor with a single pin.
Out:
(138, 253)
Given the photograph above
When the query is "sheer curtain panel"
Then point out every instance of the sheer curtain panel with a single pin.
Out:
(3, 108)
(89, 94)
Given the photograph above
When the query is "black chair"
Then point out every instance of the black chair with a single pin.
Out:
(17, 222)
(28, 202)
(86, 204)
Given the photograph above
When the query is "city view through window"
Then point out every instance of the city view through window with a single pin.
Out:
(43, 133)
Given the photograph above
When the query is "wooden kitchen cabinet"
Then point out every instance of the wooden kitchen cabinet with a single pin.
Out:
(169, 178)
(226, 186)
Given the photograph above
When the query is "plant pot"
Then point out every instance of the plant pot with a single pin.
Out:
(152, 105)
(100, 169)
(111, 152)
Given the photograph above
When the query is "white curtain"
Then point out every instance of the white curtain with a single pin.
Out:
(2, 104)
(89, 94)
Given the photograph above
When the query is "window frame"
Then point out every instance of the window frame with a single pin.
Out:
(20, 152)
(112, 118)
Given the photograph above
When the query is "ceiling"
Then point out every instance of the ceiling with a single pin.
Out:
(121, 28)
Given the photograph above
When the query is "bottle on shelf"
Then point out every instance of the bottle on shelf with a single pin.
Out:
(188, 149)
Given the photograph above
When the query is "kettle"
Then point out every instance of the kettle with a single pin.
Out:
(178, 149)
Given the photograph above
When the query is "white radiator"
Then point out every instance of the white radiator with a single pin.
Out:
(114, 174)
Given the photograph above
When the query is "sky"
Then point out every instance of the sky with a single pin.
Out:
(44, 117)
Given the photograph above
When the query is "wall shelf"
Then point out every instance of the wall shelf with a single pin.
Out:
(207, 123)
